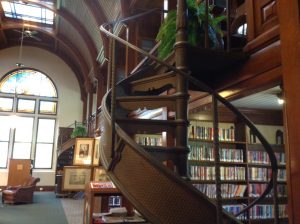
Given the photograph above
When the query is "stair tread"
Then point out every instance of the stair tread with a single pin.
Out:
(150, 97)
(148, 79)
(163, 149)
(150, 121)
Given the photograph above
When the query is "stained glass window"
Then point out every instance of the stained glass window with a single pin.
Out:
(28, 82)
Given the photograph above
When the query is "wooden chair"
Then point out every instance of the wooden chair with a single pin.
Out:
(21, 193)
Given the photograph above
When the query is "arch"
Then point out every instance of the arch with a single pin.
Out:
(28, 81)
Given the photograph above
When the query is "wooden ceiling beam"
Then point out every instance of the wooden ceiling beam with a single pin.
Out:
(74, 22)
(96, 11)
(61, 39)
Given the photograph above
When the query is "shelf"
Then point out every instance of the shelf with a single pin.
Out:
(213, 181)
(220, 142)
(267, 221)
(259, 147)
(280, 166)
(212, 163)
(265, 181)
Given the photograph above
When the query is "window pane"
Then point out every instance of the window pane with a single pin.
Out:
(46, 130)
(6, 104)
(28, 82)
(47, 107)
(4, 128)
(43, 155)
(21, 150)
(3, 153)
(23, 132)
(26, 106)
(25, 11)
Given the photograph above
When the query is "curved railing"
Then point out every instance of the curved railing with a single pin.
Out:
(124, 138)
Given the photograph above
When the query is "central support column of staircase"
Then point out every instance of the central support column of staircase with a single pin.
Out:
(182, 85)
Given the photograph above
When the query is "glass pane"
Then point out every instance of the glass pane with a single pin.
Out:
(47, 107)
(4, 128)
(26, 106)
(6, 104)
(24, 126)
(43, 155)
(25, 11)
(46, 130)
(3, 153)
(21, 150)
(28, 82)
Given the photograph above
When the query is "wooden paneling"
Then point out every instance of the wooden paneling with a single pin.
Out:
(262, 20)
(19, 169)
(290, 54)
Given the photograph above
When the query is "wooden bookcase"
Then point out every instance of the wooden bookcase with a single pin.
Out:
(245, 168)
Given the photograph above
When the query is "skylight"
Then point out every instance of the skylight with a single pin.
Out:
(28, 12)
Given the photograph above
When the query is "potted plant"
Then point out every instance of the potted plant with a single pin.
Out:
(79, 131)
(195, 28)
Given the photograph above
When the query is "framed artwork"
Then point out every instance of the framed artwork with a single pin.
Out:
(83, 151)
(96, 153)
(75, 178)
(100, 175)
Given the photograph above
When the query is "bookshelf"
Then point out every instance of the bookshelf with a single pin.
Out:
(244, 168)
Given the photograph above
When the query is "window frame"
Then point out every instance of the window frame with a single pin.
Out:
(36, 117)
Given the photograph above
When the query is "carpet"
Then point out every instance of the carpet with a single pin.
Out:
(46, 209)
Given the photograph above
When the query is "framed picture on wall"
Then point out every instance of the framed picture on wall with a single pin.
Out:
(83, 151)
(96, 153)
(100, 175)
(75, 178)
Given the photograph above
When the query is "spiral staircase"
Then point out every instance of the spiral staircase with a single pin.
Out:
(157, 192)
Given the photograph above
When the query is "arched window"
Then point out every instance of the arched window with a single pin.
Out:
(28, 82)
(28, 114)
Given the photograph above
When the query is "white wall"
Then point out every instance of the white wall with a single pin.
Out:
(70, 106)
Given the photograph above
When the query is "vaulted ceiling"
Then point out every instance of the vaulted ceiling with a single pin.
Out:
(75, 34)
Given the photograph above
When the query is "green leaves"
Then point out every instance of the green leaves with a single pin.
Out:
(79, 131)
(196, 28)
(166, 35)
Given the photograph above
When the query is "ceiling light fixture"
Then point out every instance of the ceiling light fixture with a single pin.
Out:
(19, 63)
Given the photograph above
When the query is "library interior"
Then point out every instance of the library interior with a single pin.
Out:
(161, 111)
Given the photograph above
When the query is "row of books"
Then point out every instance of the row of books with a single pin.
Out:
(255, 190)
(267, 211)
(264, 174)
(200, 132)
(263, 158)
(205, 153)
(149, 141)
(228, 190)
(208, 173)
(234, 209)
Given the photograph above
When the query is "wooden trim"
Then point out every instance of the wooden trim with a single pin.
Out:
(263, 40)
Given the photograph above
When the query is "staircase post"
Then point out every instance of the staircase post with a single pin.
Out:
(181, 88)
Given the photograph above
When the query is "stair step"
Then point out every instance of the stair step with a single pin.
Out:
(166, 153)
(146, 126)
(154, 82)
(149, 102)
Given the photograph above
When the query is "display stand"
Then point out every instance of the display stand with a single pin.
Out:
(92, 204)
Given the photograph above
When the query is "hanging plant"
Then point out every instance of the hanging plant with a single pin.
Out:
(195, 27)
